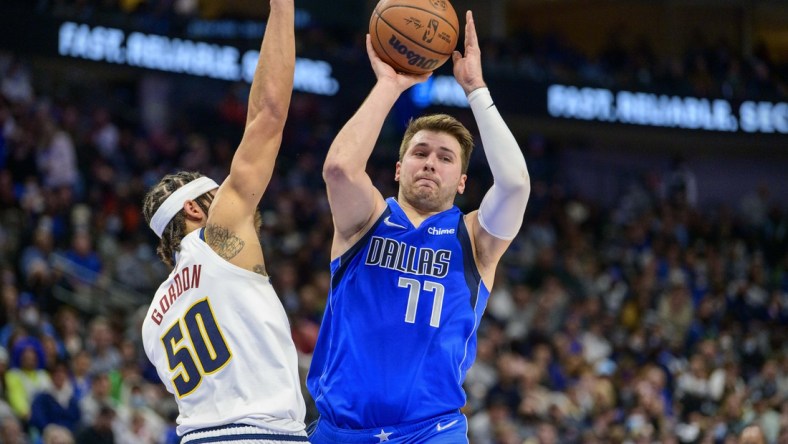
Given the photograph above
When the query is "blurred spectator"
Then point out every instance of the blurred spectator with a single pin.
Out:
(81, 378)
(26, 377)
(5, 409)
(16, 85)
(140, 430)
(68, 331)
(521, 318)
(137, 422)
(36, 261)
(104, 355)
(754, 206)
(675, 310)
(681, 185)
(766, 387)
(11, 431)
(56, 157)
(694, 388)
(482, 375)
(752, 435)
(32, 322)
(135, 266)
(93, 402)
(10, 313)
(59, 405)
(100, 429)
(82, 263)
(105, 135)
(545, 434)
(55, 434)
(496, 418)
(307, 321)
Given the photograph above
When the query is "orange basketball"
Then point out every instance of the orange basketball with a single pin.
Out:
(414, 36)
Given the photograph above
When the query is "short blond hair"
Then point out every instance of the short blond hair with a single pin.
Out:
(441, 123)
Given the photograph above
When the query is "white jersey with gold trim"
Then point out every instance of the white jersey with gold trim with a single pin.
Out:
(221, 343)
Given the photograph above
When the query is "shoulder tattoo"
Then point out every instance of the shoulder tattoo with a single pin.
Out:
(223, 241)
(259, 269)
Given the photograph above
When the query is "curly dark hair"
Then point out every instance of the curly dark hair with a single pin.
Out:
(174, 231)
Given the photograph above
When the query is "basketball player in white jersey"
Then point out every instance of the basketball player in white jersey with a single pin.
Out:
(216, 330)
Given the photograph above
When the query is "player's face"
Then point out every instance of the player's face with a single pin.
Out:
(430, 173)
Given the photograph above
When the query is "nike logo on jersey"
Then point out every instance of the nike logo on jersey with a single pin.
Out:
(389, 223)
(441, 427)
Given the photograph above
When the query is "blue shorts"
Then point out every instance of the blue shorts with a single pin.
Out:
(451, 428)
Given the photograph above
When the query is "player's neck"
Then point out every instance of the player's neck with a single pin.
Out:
(192, 225)
(415, 213)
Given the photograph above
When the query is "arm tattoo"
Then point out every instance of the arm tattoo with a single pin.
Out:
(259, 269)
(223, 241)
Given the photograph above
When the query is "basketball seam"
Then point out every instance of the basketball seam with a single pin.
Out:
(380, 17)
(425, 10)
(383, 47)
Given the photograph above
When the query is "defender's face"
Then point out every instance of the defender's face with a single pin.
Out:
(430, 173)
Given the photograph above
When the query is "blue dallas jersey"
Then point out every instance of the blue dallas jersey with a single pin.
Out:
(399, 331)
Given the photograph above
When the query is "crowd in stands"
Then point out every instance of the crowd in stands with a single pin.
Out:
(708, 68)
(657, 319)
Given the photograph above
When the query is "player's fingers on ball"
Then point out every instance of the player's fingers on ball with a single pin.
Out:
(368, 43)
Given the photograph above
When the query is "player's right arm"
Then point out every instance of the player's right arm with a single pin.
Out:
(354, 200)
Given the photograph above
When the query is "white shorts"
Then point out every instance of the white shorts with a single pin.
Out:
(240, 434)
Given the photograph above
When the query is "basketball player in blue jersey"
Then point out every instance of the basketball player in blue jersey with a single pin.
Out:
(411, 275)
(216, 330)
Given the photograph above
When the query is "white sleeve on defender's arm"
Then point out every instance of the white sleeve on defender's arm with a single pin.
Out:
(502, 209)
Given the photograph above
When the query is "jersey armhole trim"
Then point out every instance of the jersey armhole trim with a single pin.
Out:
(345, 258)
(473, 279)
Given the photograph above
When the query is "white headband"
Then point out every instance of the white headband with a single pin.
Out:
(174, 202)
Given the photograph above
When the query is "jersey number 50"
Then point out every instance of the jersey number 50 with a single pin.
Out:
(202, 352)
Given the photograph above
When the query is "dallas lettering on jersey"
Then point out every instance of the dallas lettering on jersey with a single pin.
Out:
(395, 255)
(184, 280)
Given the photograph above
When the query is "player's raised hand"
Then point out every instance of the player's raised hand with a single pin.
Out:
(468, 67)
(384, 72)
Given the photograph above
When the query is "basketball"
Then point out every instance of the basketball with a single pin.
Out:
(414, 36)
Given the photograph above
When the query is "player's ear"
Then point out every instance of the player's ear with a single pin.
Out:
(396, 171)
(461, 185)
(193, 211)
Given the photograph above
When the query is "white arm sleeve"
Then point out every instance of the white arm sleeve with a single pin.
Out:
(501, 211)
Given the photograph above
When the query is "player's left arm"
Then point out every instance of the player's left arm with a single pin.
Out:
(500, 214)
(231, 229)
(269, 101)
